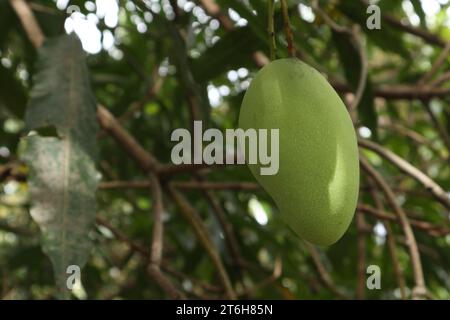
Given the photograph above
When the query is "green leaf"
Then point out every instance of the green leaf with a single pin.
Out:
(186, 75)
(6, 22)
(386, 38)
(232, 51)
(390, 6)
(52, 24)
(12, 95)
(349, 56)
(62, 178)
(258, 24)
(419, 11)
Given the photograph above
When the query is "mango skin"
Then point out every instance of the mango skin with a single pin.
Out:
(316, 187)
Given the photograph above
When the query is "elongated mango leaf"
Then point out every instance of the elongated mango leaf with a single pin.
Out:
(62, 168)
(351, 62)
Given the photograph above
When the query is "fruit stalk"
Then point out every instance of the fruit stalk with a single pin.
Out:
(287, 28)
(271, 30)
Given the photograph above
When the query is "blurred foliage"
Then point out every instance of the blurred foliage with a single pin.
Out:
(193, 56)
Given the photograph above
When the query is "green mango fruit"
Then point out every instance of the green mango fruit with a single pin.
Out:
(316, 187)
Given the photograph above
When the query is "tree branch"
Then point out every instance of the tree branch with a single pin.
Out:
(416, 137)
(154, 267)
(420, 289)
(442, 131)
(432, 229)
(271, 29)
(119, 235)
(29, 22)
(436, 65)
(110, 124)
(277, 271)
(409, 169)
(193, 218)
(361, 254)
(16, 230)
(288, 29)
(425, 35)
(390, 238)
(323, 273)
(187, 185)
(442, 79)
(399, 92)
(227, 228)
(214, 11)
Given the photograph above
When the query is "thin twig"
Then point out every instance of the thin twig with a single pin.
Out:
(277, 271)
(214, 11)
(323, 273)
(361, 250)
(442, 79)
(426, 102)
(420, 289)
(187, 185)
(271, 29)
(390, 238)
(226, 227)
(409, 169)
(145, 253)
(176, 10)
(152, 91)
(244, 186)
(20, 231)
(333, 25)
(182, 276)
(288, 28)
(363, 71)
(191, 215)
(424, 34)
(442, 131)
(398, 92)
(110, 124)
(411, 134)
(29, 22)
(436, 65)
(119, 235)
(168, 170)
(154, 267)
(432, 229)
(158, 226)
(413, 193)
(355, 38)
